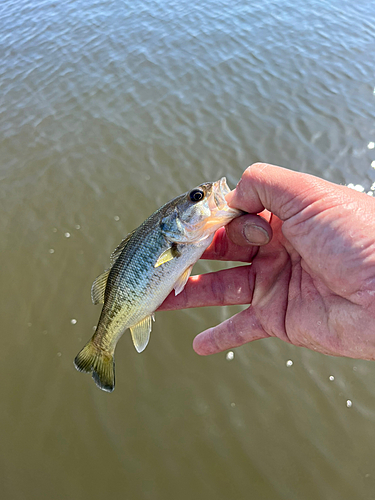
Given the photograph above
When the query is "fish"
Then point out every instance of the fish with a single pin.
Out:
(148, 264)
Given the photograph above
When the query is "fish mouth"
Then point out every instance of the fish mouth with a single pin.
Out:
(212, 214)
(220, 210)
(220, 189)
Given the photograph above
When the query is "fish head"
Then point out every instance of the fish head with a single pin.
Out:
(198, 213)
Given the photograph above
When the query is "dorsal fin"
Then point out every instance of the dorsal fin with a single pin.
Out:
(100, 283)
(98, 288)
(116, 253)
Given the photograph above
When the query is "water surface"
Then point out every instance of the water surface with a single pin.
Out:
(108, 110)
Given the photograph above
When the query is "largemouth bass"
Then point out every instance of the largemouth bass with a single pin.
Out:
(149, 263)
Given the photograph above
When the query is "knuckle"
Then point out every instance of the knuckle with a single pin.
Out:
(258, 167)
(218, 289)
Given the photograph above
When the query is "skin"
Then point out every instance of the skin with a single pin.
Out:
(312, 278)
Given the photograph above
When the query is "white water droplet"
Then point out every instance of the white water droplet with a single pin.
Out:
(229, 356)
(78, 226)
(371, 145)
(331, 378)
(73, 321)
(233, 405)
(51, 250)
(117, 218)
(349, 403)
(59, 354)
(67, 235)
(356, 187)
(289, 363)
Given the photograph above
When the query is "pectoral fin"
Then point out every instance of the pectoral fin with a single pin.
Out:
(167, 255)
(181, 282)
(141, 333)
(98, 288)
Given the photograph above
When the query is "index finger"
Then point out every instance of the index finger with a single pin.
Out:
(223, 248)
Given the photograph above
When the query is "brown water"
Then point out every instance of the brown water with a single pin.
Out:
(107, 110)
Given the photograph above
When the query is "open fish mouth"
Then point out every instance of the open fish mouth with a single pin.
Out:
(220, 190)
(198, 221)
(220, 210)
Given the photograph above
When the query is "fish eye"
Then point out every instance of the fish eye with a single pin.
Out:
(196, 195)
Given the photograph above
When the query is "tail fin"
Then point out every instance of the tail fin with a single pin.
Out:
(100, 363)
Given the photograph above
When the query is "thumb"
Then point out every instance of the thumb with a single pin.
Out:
(279, 190)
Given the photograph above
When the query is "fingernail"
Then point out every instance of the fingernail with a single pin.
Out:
(255, 235)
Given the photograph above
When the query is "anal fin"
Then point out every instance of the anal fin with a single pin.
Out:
(182, 280)
(141, 333)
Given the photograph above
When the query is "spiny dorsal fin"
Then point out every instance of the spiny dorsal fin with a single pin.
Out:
(116, 253)
(141, 333)
(100, 283)
(181, 282)
(167, 255)
(98, 288)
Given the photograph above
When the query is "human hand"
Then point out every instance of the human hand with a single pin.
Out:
(312, 284)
